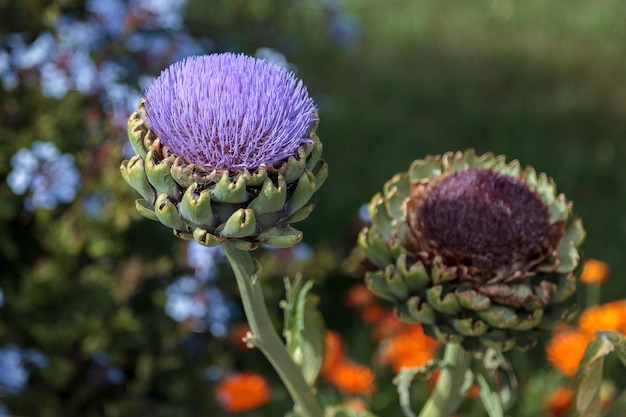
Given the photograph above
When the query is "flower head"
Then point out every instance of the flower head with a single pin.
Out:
(594, 271)
(48, 176)
(229, 111)
(242, 392)
(353, 378)
(559, 402)
(606, 317)
(408, 349)
(565, 350)
(479, 251)
(346, 375)
(226, 150)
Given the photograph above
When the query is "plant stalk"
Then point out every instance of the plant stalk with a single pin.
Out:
(447, 396)
(265, 336)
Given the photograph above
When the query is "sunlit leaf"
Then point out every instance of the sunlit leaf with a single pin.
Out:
(589, 377)
(303, 327)
(404, 379)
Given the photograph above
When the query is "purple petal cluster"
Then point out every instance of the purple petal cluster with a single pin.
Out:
(229, 111)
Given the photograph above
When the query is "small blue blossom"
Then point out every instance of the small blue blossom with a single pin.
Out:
(206, 307)
(109, 13)
(168, 14)
(183, 299)
(1, 298)
(8, 76)
(93, 205)
(14, 367)
(229, 111)
(275, 57)
(54, 80)
(40, 51)
(364, 214)
(204, 259)
(113, 374)
(48, 176)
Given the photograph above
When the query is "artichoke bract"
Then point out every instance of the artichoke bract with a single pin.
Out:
(481, 252)
(225, 148)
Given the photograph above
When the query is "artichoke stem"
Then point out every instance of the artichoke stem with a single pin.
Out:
(447, 395)
(265, 336)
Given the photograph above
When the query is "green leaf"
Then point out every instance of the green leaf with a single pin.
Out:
(589, 378)
(304, 327)
(617, 407)
(403, 381)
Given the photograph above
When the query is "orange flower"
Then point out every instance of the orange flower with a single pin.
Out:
(358, 296)
(352, 378)
(373, 314)
(609, 316)
(242, 392)
(348, 376)
(594, 271)
(335, 353)
(559, 402)
(565, 350)
(388, 326)
(410, 348)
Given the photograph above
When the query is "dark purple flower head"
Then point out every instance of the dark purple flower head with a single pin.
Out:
(229, 111)
(485, 219)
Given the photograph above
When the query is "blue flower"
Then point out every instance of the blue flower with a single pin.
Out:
(184, 301)
(48, 176)
(1, 298)
(229, 111)
(205, 308)
(203, 259)
(14, 364)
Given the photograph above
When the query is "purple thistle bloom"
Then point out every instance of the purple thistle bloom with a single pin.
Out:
(229, 111)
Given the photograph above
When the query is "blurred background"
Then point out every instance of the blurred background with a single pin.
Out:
(104, 313)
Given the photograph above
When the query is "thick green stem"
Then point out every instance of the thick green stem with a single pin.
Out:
(447, 396)
(265, 336)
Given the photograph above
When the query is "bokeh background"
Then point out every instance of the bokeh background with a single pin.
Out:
(103, 313)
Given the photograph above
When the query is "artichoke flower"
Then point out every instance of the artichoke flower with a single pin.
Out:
(225, 149)
(481, 252)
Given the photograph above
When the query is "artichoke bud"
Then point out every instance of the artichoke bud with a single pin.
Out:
(305, 187)
(134, 173)
(226, 165)
(242, 223)
(478, 250)
(300, 215)
(136, 134)
(195, 207)
(205, 238)
(271, 197)
(281, 237)
(145, 209)
(167, 213)
(158, 174)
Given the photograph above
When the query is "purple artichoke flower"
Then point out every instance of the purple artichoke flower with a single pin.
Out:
(226, 149)
(229, 111)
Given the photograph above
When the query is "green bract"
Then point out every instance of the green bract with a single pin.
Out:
(463, 287)
(248, 207)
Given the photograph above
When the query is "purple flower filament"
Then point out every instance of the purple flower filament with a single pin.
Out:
(229, 111)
